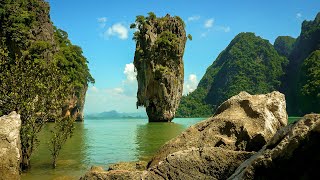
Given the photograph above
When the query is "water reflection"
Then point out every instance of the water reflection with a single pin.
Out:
(151, 136)
(71, 162)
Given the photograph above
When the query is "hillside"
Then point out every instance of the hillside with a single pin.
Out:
(301, 83)
(249, 63)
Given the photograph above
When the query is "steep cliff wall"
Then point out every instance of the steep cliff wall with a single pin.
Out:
(27, 34)
(158, 61)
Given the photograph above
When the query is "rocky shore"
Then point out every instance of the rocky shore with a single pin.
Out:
(247, 138)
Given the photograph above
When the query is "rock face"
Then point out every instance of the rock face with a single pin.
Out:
(75, 106)
(158, 61)
(214, 148)
(293, 153)
(10, 151)
(243, 123)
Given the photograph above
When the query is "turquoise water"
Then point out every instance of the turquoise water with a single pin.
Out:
(102, 142)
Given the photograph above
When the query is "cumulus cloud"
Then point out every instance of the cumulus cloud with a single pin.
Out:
(191, 84)
(102, 21)
(118, 30)
(209, 23)
(130, 72)
(193, 18)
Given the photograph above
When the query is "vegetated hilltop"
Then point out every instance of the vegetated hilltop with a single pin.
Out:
(252, 64)
(249, 63)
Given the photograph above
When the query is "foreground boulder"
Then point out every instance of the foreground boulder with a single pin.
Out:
(159, 64)
(10, 151)
(242, 123)
(214, 148)
(293, 153)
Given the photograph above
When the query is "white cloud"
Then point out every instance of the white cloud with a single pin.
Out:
(102, 21)
(223, 28)
(193, 18)
(93, 89)
(191, 84)
(298, 15)
(118, 30)
(130, 72)
(209, 23)
(115, 91)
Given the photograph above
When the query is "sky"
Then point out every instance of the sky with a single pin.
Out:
(101, 28)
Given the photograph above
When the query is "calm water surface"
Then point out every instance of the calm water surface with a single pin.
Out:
(102, 142)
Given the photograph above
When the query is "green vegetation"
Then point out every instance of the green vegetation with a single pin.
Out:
(303, 64)
(62, 131)
(284, 45)
(40, 70)
(249, 63)
(310, 83)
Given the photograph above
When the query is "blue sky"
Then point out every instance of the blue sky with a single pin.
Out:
(101, 28)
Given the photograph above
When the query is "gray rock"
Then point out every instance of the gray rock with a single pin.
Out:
(293, 153)
(242, 123)
(10, 146)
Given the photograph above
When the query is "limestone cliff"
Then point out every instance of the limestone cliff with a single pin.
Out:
(27, 34)
(159, 64)
(74, 107)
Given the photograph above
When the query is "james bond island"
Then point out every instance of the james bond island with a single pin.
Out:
(159, 64)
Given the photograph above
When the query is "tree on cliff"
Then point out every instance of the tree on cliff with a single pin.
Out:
(160, 44)
(249, 63)
(39, 72)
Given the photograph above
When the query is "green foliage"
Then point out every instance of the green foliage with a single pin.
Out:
(193, 105)
(284, 45)
(63, 130)
(310, 83)
(249, 63)
(309, 41)
(36, 91)
(38, 75)
(189, 37)
(151, 16)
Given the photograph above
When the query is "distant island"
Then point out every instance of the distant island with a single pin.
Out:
(116, 115)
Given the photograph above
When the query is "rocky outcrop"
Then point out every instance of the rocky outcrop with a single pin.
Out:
(243, 123)
(75, 106)
(293, 153)
(214, 148)
(158, 61)
(10, 151)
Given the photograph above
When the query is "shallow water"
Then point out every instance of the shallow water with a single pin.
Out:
(102, 142)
